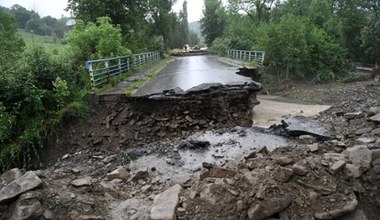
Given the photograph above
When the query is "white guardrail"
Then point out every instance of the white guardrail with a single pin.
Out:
(247, 55)
(103, 70)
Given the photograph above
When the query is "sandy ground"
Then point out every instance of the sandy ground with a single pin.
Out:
(271, 111)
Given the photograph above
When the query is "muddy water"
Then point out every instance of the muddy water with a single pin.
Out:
(271, 111)
(224, 147)
(179, 165)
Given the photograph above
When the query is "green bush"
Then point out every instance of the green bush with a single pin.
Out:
(220, 46)
(98, 40)
(35, 97)
(296, 47)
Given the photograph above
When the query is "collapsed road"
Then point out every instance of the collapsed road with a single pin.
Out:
(188, 72)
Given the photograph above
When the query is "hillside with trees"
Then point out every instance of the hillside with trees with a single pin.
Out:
(31, 22)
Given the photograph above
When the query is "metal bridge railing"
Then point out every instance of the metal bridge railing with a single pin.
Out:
(247, 56)
(103, 70)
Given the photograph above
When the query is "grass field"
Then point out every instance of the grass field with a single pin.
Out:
(49, 42)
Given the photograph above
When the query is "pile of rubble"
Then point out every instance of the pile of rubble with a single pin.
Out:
(119, 121)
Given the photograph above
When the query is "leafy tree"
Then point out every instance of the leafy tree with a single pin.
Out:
(213, 22)
(22, 15)
(138, 20)
(373, 6)
(11, 45)
(184, 24)
(295, 46)
(257, 10)
(370, 39)
(159, 14)
(353, 20)
(49, 21)
(35, 25)
(98, 40)
(194, 38)
(60, 28)
(34, 96)
(127, 14)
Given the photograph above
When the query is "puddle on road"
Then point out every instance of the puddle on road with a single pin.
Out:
(226, 147)
(270, 111)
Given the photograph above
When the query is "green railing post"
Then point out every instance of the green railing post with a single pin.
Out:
(92, 78)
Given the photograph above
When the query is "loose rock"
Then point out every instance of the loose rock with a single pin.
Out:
(27, 182)
(335, 213)
(27, 207)
(268, 208)
(375, 118)
(119, 173)
(85, 181)
(9, 176)
(360, 156)
(338, 166)
(165, 204)
(282, 174)
(140, 174)
(283, 161)
(313, 147)
(300, 170)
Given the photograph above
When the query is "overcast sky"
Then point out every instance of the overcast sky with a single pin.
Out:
(55, 8)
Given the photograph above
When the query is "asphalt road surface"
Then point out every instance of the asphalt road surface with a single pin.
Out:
(187, 72)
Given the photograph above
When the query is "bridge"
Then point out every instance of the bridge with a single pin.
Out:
(184, 72)
(188, 95)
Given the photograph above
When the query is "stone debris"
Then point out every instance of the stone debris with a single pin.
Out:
(360, 156)
(307, 139)
(165, 204)
(363, 131)
(216, 172)
(85, 181)
(27, 182)
(132, 209)
(119, 173)
(373, 111)
(337, 166)
(269, 207)
(349, 207)
(252, 177)
(317, 176)
(9, 176)
(375, 154)
(313, 147)
(282, 174)
(375, 118)
(300, 170)
(352, 115)
(352, 171)
(366, 140)
(27, 207)
(140, 175)
(48, 214)
(283, 161)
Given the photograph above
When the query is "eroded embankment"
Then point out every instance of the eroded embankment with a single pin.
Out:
(120, 121)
